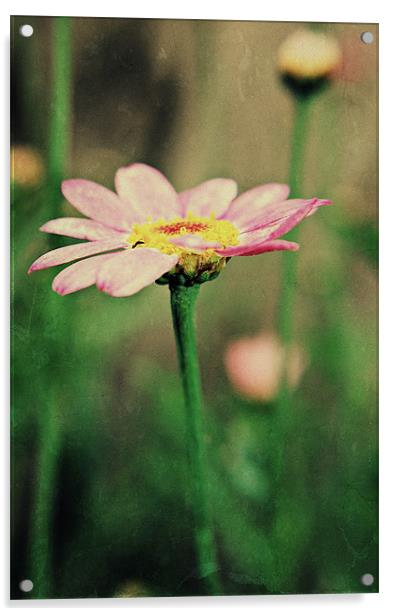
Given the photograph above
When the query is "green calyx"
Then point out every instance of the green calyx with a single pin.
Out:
(179, 276)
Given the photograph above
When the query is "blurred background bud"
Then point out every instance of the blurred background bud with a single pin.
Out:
(27, 167)
(131, 589)
(254, 366)
(307, 56)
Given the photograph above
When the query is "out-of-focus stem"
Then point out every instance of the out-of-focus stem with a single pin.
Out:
(286, 319)
(183, 311)
(60, 109)
(289, 260)
(48, 446)
(45, 493)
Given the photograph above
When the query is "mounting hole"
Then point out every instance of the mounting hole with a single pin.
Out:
(367, 579)
(367, 38)
(26, 585)
(26, 30)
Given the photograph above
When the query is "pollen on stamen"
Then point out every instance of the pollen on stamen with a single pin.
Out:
(159, 235)
(183, 226)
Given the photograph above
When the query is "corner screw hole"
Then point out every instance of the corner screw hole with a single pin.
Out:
(367, 579)
(26, 30)
(367, 38)
(26, 585)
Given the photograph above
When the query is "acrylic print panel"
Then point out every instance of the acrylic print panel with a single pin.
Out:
(155, 453)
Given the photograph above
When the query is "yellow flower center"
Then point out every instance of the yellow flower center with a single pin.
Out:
(159, 234)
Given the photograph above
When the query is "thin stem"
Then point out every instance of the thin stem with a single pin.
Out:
(287, 294)
(183, 301)
(60, 108)
(41, 548)
(286, 321)
(42, 527)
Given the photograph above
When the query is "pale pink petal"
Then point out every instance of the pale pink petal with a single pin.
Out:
(73, 252)
(80, 275)
(277, 212)
(248, 206)
(257, 248)
(132, 270)
(318, 203)
(194, 243)
(99, 203)
(213, 196)
(264, 233)
(274, 231)
(264, 239)
(81, 228)
(148, 193)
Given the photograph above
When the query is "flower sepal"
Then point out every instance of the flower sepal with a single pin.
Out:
(188, 280)
(304, 88)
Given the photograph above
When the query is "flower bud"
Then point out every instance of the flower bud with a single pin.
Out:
(27, 168)
(255, 366)
(307, 58)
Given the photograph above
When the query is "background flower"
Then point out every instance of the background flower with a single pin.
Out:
(255, 365)
(309, 55)
(27, 167)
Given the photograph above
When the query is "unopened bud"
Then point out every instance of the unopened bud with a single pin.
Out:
(307, 58)
(27, 168)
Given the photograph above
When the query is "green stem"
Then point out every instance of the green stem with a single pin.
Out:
(183, 301)
(42, 526)
(289, 263)
(286, 307)
(41, 548)
(60, 108)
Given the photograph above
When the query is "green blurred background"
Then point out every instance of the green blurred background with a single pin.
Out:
(196, 99)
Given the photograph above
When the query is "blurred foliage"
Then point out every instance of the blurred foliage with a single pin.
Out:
(198, 99)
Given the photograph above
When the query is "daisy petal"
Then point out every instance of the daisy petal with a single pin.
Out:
(194, 242)
(276, 212)
(257, 248)
(250, 204)
(99, 203)
(81, 228)
(80, 275)
(213, 196)
(133, 270)
(319, 203)
(76, 251)
(257, 241)
(275, 230)
(147, 192)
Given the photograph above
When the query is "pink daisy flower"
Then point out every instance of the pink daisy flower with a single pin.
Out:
(146, 232)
